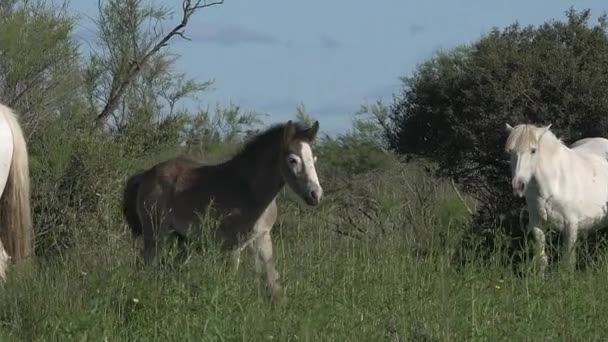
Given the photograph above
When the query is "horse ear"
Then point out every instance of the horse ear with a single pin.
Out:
(312, 134)
(289, 132)
(508, 128)
(546, 128)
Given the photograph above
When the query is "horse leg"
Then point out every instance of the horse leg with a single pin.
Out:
(150, 248)
(569, 237)
(258, 263)
(265, 262)
(150, 228)
(4, 259)
(183, 252)
(235, 254)
(235, 259)
(257, 260)
(540, 241)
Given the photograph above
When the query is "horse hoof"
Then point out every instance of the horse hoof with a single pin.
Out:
(278, 296)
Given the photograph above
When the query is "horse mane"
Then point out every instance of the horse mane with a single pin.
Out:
(523, 136)
(258, 143)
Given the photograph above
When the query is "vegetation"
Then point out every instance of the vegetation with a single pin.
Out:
(374, 262)
(454, 109)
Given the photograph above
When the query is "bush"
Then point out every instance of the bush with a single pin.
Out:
(454, 109)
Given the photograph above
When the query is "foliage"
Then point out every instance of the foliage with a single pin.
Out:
(397, 285)
(131, 40)
(127, 31)
(77, 167)
(372, 262)
(39, 61)
(360, 150)
(211, 133)
(303, 116)
(454, 109)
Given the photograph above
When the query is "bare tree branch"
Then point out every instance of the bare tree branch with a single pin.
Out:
(123, 80)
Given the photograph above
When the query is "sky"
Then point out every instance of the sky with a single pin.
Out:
(332, 56)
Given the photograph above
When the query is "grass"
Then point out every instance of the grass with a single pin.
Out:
(392, 281)
(337, 290)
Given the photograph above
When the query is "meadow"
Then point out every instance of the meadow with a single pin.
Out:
(374, 262)
(393, 253)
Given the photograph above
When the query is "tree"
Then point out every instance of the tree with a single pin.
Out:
(454, 109)
(128, 46)
(39, 61)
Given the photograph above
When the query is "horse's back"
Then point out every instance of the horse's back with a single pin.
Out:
(582, 189)
(172, 174)
(181, 185)
(158, 183)
(595, 146)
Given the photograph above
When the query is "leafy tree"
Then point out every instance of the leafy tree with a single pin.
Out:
(39, 61)
(360, 150)
(131, 42)
(211, 134)
(454, 109)
(76, 168)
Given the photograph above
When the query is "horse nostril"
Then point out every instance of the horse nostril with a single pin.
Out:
(519, 185)
(315, 196)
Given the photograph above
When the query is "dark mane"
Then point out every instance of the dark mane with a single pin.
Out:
(259, 142)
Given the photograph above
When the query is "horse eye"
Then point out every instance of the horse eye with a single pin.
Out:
(292, 161)
(533, 151)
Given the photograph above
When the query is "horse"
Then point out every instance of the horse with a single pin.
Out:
(566, 187)
(16, 232)
(241, 192)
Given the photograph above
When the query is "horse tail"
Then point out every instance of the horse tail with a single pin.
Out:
(16, 229)
(129, 204)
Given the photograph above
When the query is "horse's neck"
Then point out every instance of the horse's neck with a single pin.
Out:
(551, 168)
(262, 176)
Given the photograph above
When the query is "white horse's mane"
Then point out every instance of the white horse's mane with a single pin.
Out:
(526, 136)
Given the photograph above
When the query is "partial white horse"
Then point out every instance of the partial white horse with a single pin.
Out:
(16, 233)
(566, 187)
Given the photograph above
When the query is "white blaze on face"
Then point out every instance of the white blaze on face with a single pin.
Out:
(302, 164)
(308, 161)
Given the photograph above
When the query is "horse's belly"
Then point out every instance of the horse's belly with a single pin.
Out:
(585, 215)
(593, 217)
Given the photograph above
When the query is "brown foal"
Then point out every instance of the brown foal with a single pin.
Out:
(241, 193)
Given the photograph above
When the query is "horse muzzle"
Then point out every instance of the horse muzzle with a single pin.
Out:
(519, 187)
(314, 197)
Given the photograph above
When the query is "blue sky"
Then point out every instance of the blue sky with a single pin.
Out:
(330, 55)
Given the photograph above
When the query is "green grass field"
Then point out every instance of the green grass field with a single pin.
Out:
(387, 276)
(100, 95)
(336, 290)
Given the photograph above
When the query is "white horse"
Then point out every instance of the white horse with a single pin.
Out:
(566, 187)
(16, 233)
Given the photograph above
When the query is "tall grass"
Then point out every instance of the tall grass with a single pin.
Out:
(374, 262)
